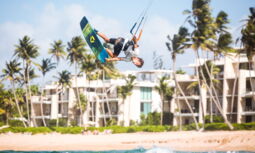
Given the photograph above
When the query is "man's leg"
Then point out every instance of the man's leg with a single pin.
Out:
(109, 52)
(106, 39)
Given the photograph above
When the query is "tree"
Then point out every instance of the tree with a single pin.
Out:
(164, 91)
(76, 50)
(7, 104)
(45, 67)
(64, 81)
(177, 46)
(10, 73)
(126, 90)
(248, 42)
(203, 38)
(27, 50)
(57, 50)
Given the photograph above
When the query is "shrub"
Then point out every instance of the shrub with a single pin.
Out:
(32, 130)
(150, 119)
(16, 123)
(2, 124)
(52, 123)
(111, 122)
(216, 126)
(191, 127)
(216, 119)
(132, 122)
(131, 130)
(154, 129)
(68, 130)
(61, 122)
(244, 126)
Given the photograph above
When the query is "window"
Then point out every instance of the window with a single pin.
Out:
(146, 93)
(146, 99)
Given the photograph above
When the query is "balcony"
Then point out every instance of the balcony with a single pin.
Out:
(44, 100)
(185, 114)
(248, 111)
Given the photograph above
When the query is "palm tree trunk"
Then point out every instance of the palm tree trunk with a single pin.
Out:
(182, 93)
(200, 86)
(27, 103)
(234, 90)
(179, 110)
(17, 104)
(210, 92)
(78, 95)
(161, 114)
(41, 105)
(30, 97)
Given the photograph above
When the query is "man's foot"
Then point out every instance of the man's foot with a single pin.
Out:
(96, 31)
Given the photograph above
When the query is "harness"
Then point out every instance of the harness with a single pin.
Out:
(127, 44)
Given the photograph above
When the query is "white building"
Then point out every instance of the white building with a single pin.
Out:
(104, 102)
(234, 93)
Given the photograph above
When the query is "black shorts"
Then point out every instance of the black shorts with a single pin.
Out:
(118, 45)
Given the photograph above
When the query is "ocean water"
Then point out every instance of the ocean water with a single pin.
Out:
(140, 150)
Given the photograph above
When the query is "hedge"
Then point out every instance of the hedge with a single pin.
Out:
(130, 129)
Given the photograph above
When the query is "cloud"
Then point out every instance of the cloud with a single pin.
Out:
(154, 39)
(55, 23)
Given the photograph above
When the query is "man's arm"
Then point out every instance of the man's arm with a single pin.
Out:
(113, 59)
(118, 59)
(139, 36)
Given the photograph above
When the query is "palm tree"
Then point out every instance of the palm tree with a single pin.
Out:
(45, 67)
(248, 42)
(76, 50)
(125, 91)
(57, 50)
(203, 36)
(177, 46)
(88, 66)
(164, 91)
(64, 80)
(10, 73)
(7, 104)
(27, 51)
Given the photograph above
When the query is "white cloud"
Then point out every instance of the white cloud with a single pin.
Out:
(63, 23)
(154, 39)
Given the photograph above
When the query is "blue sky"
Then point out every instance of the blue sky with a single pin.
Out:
(47, 20)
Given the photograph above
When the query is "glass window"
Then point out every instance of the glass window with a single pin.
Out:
(146, 93)
(146, 99)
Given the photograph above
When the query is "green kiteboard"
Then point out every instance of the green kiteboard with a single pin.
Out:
(92, 40)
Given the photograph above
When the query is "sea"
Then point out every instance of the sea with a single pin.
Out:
(138, 150)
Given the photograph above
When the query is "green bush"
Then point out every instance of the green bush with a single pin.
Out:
(151, 119)
(32, 130)
(2, 124)
(154, 129)
(191, 127)
(16, 123)
(131, 130)
(216, 119)
(52, 123)
(68, 130)
(216, 126)
(244, 126)
(61, 122)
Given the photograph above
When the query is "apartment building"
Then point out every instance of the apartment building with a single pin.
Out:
(103, 104)
(233, 92)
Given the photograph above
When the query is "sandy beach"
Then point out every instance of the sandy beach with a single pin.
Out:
(181, 141)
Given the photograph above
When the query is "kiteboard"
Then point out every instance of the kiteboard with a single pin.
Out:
(93, 41)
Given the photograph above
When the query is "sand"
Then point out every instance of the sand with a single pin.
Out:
(181, 141)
